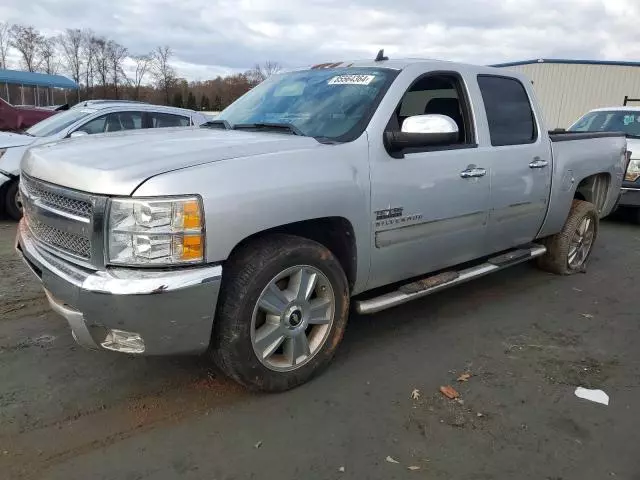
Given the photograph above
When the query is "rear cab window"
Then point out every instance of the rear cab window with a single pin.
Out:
(510, 116)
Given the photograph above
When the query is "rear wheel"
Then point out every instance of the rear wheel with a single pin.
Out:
(12, 201)
(281, 314)
(569, 250)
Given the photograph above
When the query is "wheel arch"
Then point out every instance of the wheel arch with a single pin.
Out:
(335, 233)
(594, 188)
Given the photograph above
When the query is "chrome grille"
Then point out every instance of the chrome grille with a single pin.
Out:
(48, 197)
(61, 219)
(69, 242)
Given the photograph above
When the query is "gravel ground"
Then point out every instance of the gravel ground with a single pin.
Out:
(527, 338)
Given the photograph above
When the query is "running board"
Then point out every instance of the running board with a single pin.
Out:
(435, 283)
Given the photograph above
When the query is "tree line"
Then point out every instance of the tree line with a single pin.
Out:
(105, 69)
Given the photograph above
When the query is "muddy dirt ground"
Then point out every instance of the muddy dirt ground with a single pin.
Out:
(528, 339)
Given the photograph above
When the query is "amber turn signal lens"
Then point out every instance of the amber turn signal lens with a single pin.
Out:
(191, 247)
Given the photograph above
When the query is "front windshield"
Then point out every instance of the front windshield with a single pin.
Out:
(58, 122)
(627, 121)
(326, 103)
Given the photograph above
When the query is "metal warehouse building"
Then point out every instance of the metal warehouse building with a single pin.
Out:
(567, 89)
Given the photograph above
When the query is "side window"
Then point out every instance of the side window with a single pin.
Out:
(114, 122)
(94, 126)
(509, 113)
(162, 120)
(436, 94)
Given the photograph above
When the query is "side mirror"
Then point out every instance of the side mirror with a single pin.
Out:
(78, 133)
(423, 131)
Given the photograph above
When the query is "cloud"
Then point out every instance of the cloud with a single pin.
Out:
(211, 37)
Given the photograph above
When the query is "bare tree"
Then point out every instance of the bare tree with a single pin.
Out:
(259, 73)
(88, 52)
(27, 41)
(4, 43)
(101, 62)
(50, 62)
(71, 42)
(143, 62)
(117, 53)
(163, 72)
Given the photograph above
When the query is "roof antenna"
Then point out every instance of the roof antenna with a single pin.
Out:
(380, 57)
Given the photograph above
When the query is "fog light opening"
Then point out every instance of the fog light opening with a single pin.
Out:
(123, 341)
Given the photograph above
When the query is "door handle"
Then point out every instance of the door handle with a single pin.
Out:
(473, 173)
(538, 163)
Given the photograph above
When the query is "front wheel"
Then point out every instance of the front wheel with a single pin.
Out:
(12, 201)
(569, 250)
(282, 312)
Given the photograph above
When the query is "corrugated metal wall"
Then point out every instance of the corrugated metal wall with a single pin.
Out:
(566, 91)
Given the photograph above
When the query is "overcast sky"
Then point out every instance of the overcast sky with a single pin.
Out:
(212, 37)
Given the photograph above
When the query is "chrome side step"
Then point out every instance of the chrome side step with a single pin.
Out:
(429, 285)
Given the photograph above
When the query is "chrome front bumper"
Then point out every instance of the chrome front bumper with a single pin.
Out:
(171, 310)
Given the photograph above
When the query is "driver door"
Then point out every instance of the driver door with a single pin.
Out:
(427, 213)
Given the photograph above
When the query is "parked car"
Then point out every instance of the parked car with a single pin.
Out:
(627, 121)
(91, 117)
(15, 118)
(382, 181)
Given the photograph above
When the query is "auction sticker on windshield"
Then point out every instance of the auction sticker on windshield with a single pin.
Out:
(351, 80)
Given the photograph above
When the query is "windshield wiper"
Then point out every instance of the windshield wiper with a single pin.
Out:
(217, 124)
(630, 135)
(284, 127)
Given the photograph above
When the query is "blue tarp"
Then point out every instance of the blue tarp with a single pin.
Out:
(36, 79)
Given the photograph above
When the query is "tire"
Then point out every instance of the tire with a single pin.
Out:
(559, 246)
(248, 279)
(11, 203)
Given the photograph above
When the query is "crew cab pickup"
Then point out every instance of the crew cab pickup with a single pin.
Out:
(365, 184)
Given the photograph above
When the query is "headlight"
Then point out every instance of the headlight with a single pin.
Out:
(633, 170)
(155, 231)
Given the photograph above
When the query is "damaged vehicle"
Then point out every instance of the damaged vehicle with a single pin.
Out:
(627, 121)
(346, 186)
(86, 118)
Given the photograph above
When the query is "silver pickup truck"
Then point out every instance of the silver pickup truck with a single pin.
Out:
(362, 184)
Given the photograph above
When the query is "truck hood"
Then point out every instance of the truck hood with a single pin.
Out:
(117, 163)
(8, 140)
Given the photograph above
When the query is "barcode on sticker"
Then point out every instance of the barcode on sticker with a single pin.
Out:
(351, 80)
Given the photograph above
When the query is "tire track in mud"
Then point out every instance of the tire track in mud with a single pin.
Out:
(28, 455)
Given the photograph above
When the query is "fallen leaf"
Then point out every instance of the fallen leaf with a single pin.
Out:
(415, 394)
(586, 315)
(576, 289)
(341, 469)
(464, 377)
(391, 460)
(479, 415)
(413, 468)
(258, 445)
(449, 392)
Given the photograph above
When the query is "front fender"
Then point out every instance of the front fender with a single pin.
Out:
(10, 161)
(249, 195)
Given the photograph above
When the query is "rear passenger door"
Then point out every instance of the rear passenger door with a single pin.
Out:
(521, 163)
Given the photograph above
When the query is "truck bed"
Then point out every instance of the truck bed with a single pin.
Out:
(565, 136)
(594, 166)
